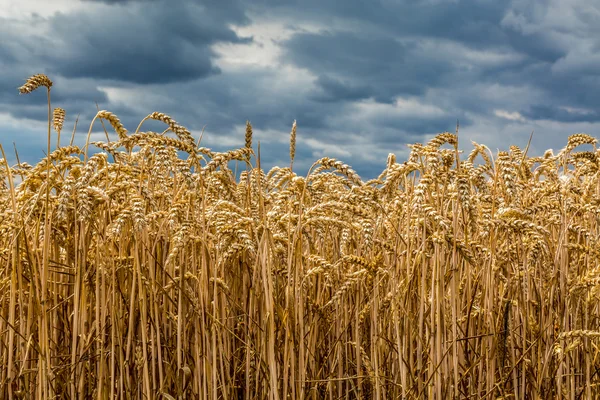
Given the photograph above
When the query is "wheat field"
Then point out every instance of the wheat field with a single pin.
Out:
(144, 267)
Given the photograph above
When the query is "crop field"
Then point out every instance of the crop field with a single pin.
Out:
(144, 266)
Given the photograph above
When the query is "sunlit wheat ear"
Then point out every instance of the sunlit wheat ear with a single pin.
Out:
(58, 119)
(441, 138)
(578, 139)
(35, 82)
(579, 334)
(293, 142)
(391, 160)
(332, 163)
(114, 122)
(248, 135)
(223, 158)
(181, 132)
(480, 150)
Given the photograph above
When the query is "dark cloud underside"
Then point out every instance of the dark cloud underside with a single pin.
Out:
(371, 76)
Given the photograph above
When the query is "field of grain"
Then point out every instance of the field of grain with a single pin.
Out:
(130, 271)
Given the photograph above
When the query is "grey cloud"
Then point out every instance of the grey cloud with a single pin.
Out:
(538, 46)
(474, 22)
(335, 90)
(379, 50)
(381, 67)
(162, 44)
(416, 127)
(554, 113)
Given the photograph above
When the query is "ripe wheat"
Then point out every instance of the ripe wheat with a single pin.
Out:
(141, 274)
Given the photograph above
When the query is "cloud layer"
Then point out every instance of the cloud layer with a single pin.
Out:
(362, 81)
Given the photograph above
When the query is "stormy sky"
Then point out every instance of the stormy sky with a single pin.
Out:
(362, 78)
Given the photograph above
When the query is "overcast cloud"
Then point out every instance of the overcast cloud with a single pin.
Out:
(361, 80)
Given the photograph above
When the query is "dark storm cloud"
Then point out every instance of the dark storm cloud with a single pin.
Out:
(6, 56)
(115, 45)
(225, 101)
(389, 68)
(338, 90)
(473, 22)
(467, 59)
(381, 68)
(536, 46)
(537, 112)
(168, 42)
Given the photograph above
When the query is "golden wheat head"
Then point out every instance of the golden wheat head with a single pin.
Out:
(35, 82)
(293, 142)
(58, 119)
(248, 135)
